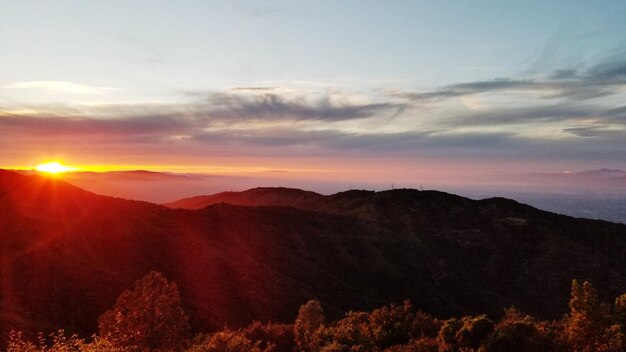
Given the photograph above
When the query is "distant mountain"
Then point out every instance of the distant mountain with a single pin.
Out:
(145, 185)
(603, 172)
(143, 175)
(254, 197)
(595, 194)
(611, 207)
(66, 254)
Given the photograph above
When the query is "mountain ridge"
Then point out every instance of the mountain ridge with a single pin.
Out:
(67, 253)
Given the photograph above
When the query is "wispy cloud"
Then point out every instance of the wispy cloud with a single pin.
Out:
(560, 112)
(258, 89)
(603, 79)
(61, 87)
(276, 107)
(566, 114)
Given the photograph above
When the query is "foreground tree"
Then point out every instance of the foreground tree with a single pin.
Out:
(474, 331)
(517, 332)
(619, 317)
(149, 318)
(588, 325)
(447, 335)
(310, 319)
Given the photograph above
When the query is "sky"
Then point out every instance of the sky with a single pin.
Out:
(387, 91)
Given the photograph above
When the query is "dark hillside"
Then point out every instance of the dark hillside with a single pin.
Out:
(66, 254)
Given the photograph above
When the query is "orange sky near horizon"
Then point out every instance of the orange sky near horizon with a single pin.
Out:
(358, 169)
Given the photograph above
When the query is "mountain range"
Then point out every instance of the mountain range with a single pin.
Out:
(595, 194)
(66, 253)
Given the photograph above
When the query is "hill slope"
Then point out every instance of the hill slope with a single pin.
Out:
(253, 197)
(65, 254)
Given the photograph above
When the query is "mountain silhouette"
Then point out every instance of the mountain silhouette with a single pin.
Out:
(260, 196)
(66, 254)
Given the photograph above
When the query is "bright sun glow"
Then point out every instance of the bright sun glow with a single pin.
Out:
(53, 167)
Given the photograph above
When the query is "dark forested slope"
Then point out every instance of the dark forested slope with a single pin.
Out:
(66, 254)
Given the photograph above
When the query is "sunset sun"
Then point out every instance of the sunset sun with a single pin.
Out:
(53, 167)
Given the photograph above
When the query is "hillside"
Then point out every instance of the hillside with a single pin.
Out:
(253, 197)
(66, 254)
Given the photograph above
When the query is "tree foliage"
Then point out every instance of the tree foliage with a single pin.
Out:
(60, 342)
(227, 341)
(588, 326)
(309, 320)
(149, 318)
(517, 332)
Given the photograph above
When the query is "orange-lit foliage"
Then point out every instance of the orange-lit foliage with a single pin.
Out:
(447, 335)
(382, 328)
(227, 341)
(310, 319)
(590, 326)
(281, 336)
(59, 342)
(148, 318)
(517, 332)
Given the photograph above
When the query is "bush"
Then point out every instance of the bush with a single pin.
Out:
(59, 342)
(279, 335)
(519, 333)
(226, 341)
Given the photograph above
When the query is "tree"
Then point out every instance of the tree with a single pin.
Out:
(474, 331)
(423, 344)
(391, 325)
(424, 325)
(517, 332)
(619, 311)
(352, 333)
(447, 334)
(310, 319)
(278, 335)
(148, 318)
(619, 317)
(587, 327)
(226, 341)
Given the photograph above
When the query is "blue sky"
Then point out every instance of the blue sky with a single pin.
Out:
(492, 85)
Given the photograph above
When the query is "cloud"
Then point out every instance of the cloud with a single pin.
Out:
(333, 141)
(598, 132)
(180, 122)
(553, 116)
(61, 87)
(471, 145)
(44, 124)
(184, 135)
(560, 113)
(276, 107)
(610, 72)
(564, 74)
(257, 89)
(525, 115)
(603, 79)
